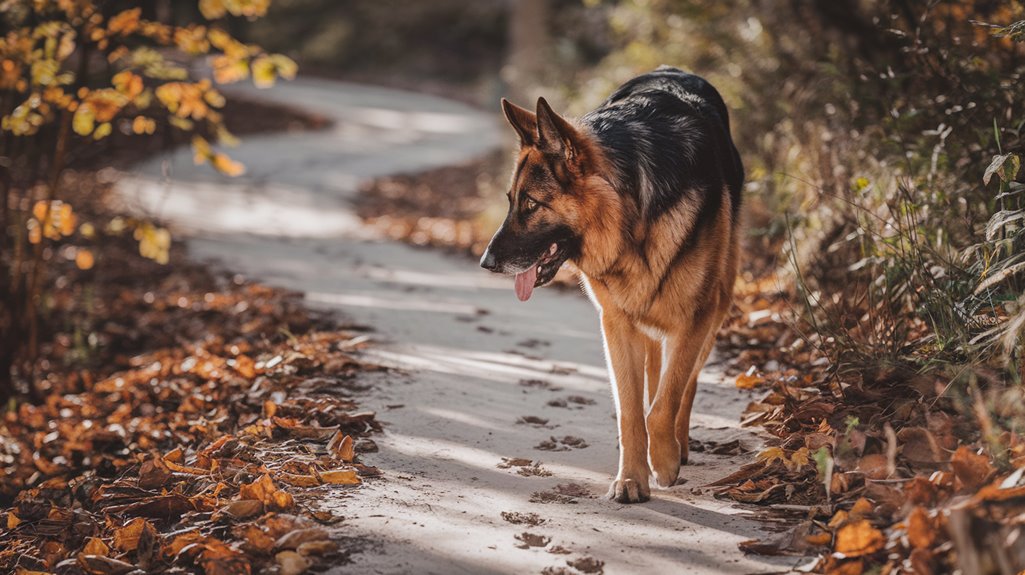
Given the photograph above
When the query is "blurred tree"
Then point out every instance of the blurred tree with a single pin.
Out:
(529, 48)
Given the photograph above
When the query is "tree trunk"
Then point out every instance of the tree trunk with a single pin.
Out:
(529, 49)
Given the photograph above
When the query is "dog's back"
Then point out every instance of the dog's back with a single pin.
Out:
(667, 134)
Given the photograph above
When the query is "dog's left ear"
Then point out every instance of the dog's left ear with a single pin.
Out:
(554, 134)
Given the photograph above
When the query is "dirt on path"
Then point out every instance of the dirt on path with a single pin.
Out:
(500, 437)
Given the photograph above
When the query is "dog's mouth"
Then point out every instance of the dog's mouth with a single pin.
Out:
(541, 272)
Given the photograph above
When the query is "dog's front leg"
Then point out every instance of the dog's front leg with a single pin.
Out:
(683, 350)
(624, 351)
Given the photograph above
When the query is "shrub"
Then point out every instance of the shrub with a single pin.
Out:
(71, 73)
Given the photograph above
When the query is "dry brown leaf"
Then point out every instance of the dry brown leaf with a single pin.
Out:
(342, 446)
(971, 468)
(256, 539)
(154, 474)
(861, 509)
(291, 563)
(921, 530)
(127, 538)
(858, 538)
(243, 508)
(298, 480)
(874, 466)
(95, 546)
(920, 447)
(341, 477)
(263, 489)
(100, 565)
(316, 548)
(296, 538)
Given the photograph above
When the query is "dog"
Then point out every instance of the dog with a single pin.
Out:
(642, 197)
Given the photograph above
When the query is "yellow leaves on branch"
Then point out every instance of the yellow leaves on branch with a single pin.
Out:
(203, 152)
(97, 109)
(192, 39)
(126, 22)
(51, 220)
(214, 9)
(266, 69)
(189, 100)
(154, 242)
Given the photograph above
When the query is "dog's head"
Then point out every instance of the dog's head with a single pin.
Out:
(543, 227)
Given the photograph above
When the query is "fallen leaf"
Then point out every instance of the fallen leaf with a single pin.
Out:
(971, 468)
(921, 532)
(291, 563)
(263, 489)
(858, 538)
(154, 474)
(127, 538)
(340, 477)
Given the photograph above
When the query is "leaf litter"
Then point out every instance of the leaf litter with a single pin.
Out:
(199, 438)
(878, 468)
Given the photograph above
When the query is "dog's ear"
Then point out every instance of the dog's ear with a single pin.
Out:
(554, 134)
(522, 120)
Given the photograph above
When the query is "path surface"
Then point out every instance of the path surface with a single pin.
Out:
(472, 359)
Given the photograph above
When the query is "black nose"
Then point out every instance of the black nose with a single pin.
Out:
(488, 261)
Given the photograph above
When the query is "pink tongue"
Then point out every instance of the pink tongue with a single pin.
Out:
(525, 283)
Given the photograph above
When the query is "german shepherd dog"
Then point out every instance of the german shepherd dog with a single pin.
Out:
(642, 197)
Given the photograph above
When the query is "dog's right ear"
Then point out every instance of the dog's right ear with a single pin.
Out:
(522, 120)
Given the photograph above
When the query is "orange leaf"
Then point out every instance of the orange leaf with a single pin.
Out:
(859, 538)
(749, 380)
(84, 259)
(921, 533)
(95, 546)
(341, 477)
(127, 538)
(971, 468)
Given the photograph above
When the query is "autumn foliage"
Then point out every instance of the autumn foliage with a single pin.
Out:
(72, 73)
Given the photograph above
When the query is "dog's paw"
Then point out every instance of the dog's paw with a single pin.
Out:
(664, 459)
(629, 491)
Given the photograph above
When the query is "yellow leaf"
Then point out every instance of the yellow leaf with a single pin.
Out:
(84, 259)
(84, 120)
(102, 131)
(143, 125)
(263, 72)
(227, 166)
(286, 66)
(126, 22)
(12, 520)
(772, 454)
(212, 9)
(129, 84)
(799, 459)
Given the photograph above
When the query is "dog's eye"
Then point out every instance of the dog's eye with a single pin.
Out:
(529, 204)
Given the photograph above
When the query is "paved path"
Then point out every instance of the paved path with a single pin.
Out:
(473, 359)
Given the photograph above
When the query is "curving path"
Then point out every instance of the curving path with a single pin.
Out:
(473, 359)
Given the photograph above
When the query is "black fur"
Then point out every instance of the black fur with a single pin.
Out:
(671, 129)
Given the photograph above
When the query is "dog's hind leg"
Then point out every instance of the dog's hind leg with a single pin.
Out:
(652, 366)
(624, 350)
(687, 402)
